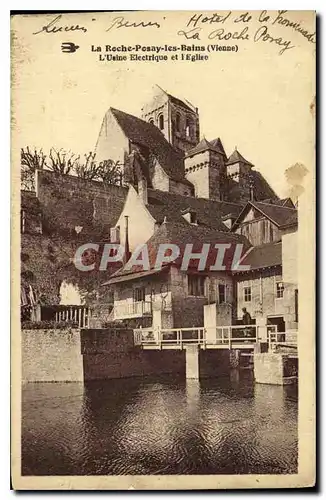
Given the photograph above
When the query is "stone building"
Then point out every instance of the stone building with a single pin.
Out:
(163, 148)
(176, 187)
(269, 289)
(172, 297)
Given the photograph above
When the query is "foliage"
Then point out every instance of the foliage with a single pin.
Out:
(110, 173)
(30, 161)
(66, 162)
(47, 325)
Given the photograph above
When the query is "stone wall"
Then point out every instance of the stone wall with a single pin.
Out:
(264, 302)
(111, 354)
(51, 356)
(274, 368)
(134, 363)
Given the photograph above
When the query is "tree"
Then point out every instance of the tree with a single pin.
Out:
(30, 161)
(110, 172)
(61, 161)
(89, 170)
(66, 162)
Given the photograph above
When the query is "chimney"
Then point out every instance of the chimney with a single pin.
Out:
(115, 234)
(142, 190)
(251, 187)
(127, 251)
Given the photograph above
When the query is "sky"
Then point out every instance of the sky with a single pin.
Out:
(255, 98)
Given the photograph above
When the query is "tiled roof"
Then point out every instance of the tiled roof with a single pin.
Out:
(149, 136)
(181, 234)
(209, 212)
(177, 101)
(217, 143)
(281, 216)
(285, 202)
(205, 145)
(237, 157)
(277, 214)
(261, 187)
(263, 256)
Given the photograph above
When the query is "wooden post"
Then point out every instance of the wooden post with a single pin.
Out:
(230, 335)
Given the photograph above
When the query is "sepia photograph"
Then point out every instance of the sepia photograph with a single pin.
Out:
(163, 194)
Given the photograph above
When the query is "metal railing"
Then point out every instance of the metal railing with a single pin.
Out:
(285, 339)
(223, 336)
(132, 309)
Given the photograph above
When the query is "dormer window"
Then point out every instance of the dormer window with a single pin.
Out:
(190, 216)
(161, 122)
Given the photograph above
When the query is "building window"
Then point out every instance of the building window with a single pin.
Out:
(188, 127)
(296, 304)
(247, 293)
(279, 290)
(139, 294)
(196, 285)
(177, 122)
(151, 121)
(221, 294)
(161, 122)
(22, 221)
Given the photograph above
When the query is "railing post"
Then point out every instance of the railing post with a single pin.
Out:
(230, 332)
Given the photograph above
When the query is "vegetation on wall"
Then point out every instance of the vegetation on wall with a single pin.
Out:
(67, 162)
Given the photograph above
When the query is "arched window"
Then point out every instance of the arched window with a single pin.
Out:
(151, 121)
(161, 122)
(177, 122)
(188, 127)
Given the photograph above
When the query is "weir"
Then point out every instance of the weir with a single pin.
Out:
(100, 354)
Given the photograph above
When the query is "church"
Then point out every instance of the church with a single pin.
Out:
(178, 187)
(183, 188)
(163, 148)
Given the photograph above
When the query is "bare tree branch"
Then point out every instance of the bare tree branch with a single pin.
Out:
(110, 172)
(30, 161)
(62, 162)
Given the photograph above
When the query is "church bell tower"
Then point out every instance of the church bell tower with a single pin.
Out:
(178, 120)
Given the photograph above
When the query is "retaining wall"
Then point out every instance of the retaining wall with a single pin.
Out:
(51, 356)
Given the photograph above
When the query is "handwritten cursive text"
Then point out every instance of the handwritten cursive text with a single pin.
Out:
(120, 22)
(53, 27)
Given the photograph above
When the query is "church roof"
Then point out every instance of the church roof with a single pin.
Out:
(236, 157)
(149, 136)
(261, 188)
(205, 145)
(178, 102)
(217, 143)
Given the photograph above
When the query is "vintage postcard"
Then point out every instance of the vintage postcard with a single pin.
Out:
(163, 250)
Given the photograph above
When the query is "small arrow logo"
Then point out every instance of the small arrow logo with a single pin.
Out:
(69, 47)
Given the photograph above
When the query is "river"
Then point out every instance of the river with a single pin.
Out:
(161, 425)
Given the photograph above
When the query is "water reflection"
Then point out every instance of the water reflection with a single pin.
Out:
(159, 426)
